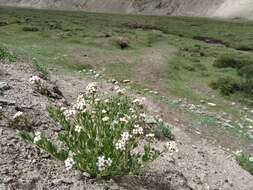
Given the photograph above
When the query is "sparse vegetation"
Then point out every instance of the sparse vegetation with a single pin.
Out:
(41, 68)
(245, 161)
(5, 54)
(163, 131)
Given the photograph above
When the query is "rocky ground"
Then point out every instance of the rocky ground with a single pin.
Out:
(198, 164)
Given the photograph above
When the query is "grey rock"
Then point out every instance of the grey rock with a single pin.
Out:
(4, 101)
(4, 86)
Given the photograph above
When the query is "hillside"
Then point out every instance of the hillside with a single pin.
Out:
(209, 8)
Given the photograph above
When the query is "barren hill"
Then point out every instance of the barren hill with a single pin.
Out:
(209, 8)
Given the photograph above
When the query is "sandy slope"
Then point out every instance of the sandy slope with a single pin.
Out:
(209, 8)
(232, 8)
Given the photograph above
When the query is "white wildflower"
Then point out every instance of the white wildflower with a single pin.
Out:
(109, 162)
(81, 105)
(138, 130)
(104, 111)
(143, 115)
(69, 113)
(120, 145)
(69, 162)
(106, 100)
(123, 120)
(35, 79)
(115, 122)
(103, 163)
(78, 128)
(125, 136)
(17, 115)
(251, 159)
(91, 88)
(151, 135)
(37, 137)
(105, 119)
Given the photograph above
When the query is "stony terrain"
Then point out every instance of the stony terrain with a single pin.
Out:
(209, 8)
(199, 164)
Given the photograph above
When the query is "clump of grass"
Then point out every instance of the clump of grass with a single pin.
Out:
(162, 131)
(41, 68)
(5, 54)
(100, 135)
(30, 29)
(245, 161)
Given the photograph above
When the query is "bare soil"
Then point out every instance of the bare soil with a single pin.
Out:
(199, 164)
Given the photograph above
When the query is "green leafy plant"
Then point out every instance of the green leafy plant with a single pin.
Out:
(245, 161)
(100, 135)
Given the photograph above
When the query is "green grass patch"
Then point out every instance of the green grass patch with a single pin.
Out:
(245, 161)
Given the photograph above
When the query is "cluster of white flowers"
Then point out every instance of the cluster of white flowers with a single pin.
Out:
(17, 115)
(69, 162)
(143, 116)
(172, 146)
(137, 130)
(37, 137)
(80, 103)
(69, 113)
(91, 88)
(103, 163)
(121, 144)
(105, 118)
(35, 79)
(251, 159)
(123, 119)
(78, 128)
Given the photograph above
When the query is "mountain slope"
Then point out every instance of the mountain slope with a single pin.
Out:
(209, 8)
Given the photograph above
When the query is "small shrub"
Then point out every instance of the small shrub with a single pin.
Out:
(162, 131)
(30, 29)
(232, 62)
(226, 85)
(5, 54)
(246, 72)
(100, 135)
(245, 161)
